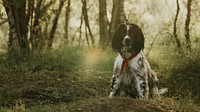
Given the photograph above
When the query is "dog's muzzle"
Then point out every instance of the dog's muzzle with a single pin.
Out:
(127, 41)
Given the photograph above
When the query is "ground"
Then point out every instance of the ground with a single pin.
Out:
(62, 82)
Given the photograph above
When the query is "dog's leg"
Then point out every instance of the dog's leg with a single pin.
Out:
(154, 93)
(141, 85)
(153, 84)
(145, 86)
(115, 85)
(141, 78)
(116, 82)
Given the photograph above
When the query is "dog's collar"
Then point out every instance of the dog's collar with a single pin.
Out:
(125, 62)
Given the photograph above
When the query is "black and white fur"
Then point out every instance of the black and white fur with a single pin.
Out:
(140, 81)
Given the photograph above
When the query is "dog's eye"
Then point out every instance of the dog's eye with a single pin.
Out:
(131, 32)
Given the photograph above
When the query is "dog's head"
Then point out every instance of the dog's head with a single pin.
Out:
(128, 37)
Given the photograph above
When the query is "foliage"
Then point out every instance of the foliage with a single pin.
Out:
(64, 79)
(178, 71)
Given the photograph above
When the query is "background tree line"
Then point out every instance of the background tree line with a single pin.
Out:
(33, 23)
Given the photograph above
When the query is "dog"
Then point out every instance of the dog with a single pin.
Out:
(132, 72)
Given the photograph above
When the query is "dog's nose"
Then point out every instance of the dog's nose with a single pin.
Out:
(127, 40)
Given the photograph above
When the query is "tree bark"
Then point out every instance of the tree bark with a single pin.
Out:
(13, 39)
(30, 10)
(67, 13)
(30, 19)
(55, 22)
(35, 32)
(80, 32)
(187, 25)
(103, 23)
(118, 16)
(37, 37)
(178, 44)
(18, 25)
(84, 9)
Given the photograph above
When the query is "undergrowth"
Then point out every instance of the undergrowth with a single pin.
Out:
(63, 79)
(180, 72)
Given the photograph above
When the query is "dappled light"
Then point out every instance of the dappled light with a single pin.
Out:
(92, 57)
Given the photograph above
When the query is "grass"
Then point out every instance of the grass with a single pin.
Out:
(179, 72)
(78, 79)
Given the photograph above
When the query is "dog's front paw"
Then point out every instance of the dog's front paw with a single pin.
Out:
(111, 95)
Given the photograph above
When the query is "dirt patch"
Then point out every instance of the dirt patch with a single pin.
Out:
(50, 86)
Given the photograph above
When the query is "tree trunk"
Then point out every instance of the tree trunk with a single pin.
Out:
(80, 32)
(84, 9)
(187, 25)
(13, 39)
(30, 19)
(35, 32)
(118, 16)
(55, 22)
(103, 22)
(23, 25)
(30, 10)
(37, 37)
(18, 26)
(66, 36)
(178, 44)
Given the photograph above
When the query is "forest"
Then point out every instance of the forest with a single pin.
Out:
(56, 55)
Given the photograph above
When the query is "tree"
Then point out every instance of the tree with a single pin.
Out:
(35, 29)
(118, 16)
(87, 25)
(18, 24)
(187, 25)
(55, 22)
(37, 37)
(178, 44)
(103, 23)
(66, 36)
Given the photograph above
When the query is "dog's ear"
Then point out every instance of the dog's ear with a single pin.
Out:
(138, 43)
(118, 36)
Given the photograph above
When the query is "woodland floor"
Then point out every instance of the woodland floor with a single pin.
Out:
(44, 87)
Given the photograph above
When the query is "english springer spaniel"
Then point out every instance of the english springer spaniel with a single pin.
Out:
(132, 71)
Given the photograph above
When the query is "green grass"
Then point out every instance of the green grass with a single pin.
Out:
(78, 79)
(179, 72)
